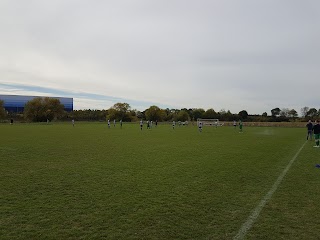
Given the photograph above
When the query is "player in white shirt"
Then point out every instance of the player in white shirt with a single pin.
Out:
(141, 124)
(234, 124)
(200, 126)
(173, 124)
(108, 123)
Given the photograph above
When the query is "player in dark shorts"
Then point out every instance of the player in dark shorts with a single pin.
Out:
(141, 124)
(240, 126)
(310, 128)
(200, 126)
(234, 124)
(316, 132)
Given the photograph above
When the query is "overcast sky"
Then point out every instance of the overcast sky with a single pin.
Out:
(252, 55)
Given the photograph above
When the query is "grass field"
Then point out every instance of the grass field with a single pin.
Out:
(91, 182)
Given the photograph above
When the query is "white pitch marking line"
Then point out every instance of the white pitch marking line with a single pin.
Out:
(256, 212)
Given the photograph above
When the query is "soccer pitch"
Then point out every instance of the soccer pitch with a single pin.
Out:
(91, 182)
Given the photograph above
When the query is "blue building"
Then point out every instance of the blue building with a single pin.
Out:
(16, 103)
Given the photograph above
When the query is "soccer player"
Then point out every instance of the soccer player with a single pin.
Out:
(141, 124)
(120, 123)
(73, 122)
(309, 128)
(200, 126)
(234, 123)
(316, 132)
(173, 124)
(114, 123)
(240, 126)
(148, 124)
(108, 123)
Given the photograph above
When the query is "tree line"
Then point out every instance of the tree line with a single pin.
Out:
(49, 109)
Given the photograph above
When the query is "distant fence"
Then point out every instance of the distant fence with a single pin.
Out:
(270, 124)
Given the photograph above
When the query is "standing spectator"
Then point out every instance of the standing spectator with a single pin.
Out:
(309, 129)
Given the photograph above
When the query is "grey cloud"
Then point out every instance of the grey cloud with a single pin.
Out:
(201, 53)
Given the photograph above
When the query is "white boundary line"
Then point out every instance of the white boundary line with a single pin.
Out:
(256, 212)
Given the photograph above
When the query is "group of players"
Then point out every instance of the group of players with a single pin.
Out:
(313, 129)
(150, 124)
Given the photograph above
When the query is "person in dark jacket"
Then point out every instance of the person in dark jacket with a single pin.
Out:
(309, 128)
(316, 132)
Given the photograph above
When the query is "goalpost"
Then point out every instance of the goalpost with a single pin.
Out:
(209, 122)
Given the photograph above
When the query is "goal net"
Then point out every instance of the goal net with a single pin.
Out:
(209, 122)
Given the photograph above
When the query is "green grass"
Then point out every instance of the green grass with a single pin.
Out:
(91, 182)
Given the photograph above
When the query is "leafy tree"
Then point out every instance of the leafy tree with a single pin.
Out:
(133, 115)
(198, 113)
(40, 109)
(210, 114)
(171, 114)
(52, 108)
(264, 115)
(190, 112)
(182, 116)
(120, 111)
(140, 115)
(312, 112)
(122, 108)
(243, 114)
(275, 112)
(293, 113)
(228, 116)
(3, 112)
(222, 111)
(284, 112)
(154, 113)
